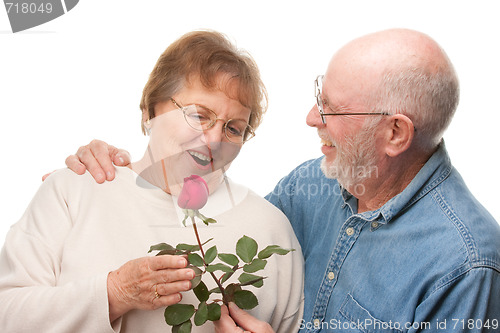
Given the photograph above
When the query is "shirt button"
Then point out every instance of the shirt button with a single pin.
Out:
(316, 323)
(374, 225)
(331, 275)
(349, 231)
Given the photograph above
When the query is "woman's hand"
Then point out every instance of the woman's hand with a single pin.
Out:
(238, 321)
(147, 283)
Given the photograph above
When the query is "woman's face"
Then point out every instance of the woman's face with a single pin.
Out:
(186, 151)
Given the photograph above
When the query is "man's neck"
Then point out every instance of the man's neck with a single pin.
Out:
(393, 177)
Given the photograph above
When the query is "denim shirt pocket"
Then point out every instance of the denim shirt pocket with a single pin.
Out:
(354, 318)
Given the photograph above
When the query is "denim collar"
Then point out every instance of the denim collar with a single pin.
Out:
(435, 171)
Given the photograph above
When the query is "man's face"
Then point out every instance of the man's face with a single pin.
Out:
(348, 141)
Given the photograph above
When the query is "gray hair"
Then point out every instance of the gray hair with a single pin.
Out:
(428, 99)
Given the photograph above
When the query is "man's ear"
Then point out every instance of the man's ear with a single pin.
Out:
(400, 135)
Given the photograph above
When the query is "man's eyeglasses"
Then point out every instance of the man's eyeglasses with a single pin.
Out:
(318, 88)
(201, 118)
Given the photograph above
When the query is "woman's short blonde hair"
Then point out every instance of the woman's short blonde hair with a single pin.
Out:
(205, 55)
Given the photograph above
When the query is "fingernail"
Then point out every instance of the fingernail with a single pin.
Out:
(182, 262)
(109, 175)
(190, 274)
(120, 159)
(99, 176)
(187, 286)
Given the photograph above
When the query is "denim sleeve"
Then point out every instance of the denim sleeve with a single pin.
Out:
(467, 303)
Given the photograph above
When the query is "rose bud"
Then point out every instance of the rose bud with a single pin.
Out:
(194, 194)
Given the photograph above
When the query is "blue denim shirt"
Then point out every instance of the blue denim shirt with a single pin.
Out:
(429, 259)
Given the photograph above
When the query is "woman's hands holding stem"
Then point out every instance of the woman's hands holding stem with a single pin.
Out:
(147, 283)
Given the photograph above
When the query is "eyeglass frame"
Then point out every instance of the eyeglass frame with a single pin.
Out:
(249, 129)
(318, 86)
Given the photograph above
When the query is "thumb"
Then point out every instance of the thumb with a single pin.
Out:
(248, 322)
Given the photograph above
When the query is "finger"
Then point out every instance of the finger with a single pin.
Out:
(173, 275)
(46, 175)
(225, 324)
(85, 156)
(247, 322)
(103, 154)
(167, 261)
(167, 300)
(120, 157)
(74, 164)
(165, 289)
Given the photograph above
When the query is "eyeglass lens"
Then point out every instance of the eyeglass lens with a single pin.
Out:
(202, 119)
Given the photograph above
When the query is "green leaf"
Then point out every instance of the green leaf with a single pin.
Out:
(195, 259)
(187, 247)
(273, 249)
(205, 219)
(245, 299)
(185, 327)
(250, 279)
(246, 248)
(215, 290)
(213, 311)
(229, 258)
(161, 247)
(210, 220)
(197, 276)
(230, 290)
(226, 277)
(256, 265)
(201, 292)
(207, 241)
(201, 314)
(170, 252)
(219, 267)
(211, 254)
(178, 313)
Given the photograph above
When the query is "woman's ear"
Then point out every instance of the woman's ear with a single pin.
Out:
(146, 122)
(400, 135)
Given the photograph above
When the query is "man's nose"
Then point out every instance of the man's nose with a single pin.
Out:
(313, 118)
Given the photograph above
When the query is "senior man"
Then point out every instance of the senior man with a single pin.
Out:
(392, 238)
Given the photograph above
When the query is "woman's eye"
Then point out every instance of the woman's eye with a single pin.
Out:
(199, 117)
(234, 131)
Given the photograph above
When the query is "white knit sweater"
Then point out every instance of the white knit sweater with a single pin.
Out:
(55, 260)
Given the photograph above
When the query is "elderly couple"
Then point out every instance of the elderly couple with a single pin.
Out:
(399, 245)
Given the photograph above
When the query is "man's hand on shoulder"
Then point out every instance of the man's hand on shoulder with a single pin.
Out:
(98, 158)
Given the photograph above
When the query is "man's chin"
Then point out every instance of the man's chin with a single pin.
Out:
(329, 169)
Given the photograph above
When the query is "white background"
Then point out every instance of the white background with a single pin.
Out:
(81, 76)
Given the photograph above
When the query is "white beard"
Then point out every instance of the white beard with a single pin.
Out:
(356, 159)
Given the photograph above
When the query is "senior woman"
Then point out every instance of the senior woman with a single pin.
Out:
(76, 261)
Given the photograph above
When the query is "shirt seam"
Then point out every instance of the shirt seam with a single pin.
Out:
(462, 229)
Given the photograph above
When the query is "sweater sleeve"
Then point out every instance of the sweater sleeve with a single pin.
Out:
(32, 297)
(290, 286)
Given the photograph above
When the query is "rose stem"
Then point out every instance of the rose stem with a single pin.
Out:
(195, 228)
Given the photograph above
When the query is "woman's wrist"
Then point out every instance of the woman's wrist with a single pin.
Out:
(117, 307)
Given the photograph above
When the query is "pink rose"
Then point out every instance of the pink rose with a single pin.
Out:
(194, 194)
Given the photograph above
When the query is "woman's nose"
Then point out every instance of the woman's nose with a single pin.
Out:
(214, 135)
